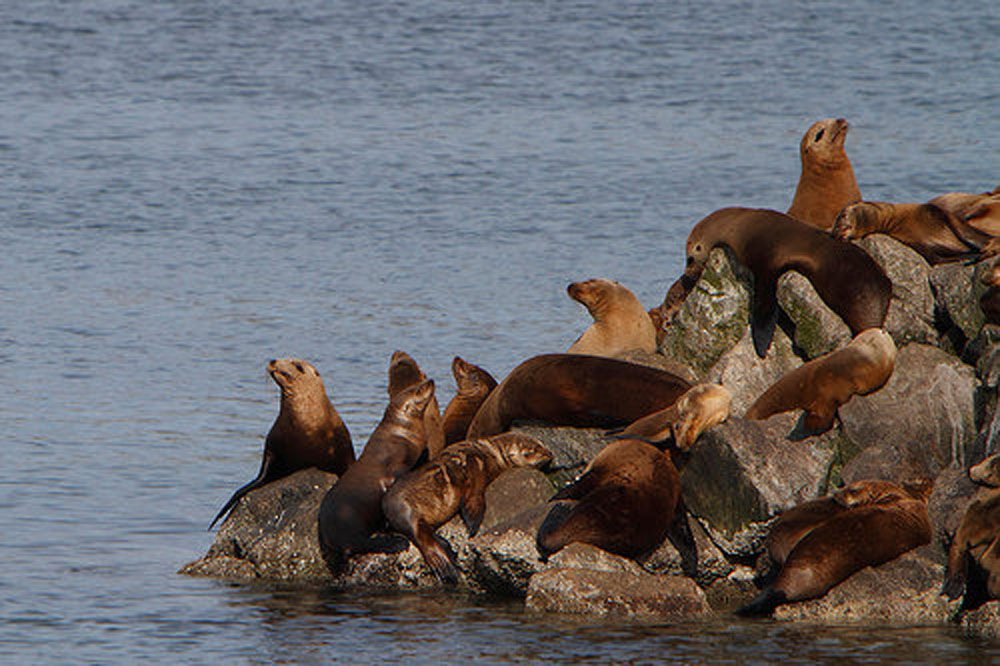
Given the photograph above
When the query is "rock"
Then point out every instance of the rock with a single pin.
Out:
(957, 289)
(512, 492)
(587, 556)
(984, 352)
(743, 472)
(710, 564)
(905, 590)
(746, 375)
(504, 563)
(572, 448)
(919, 423)
(983, 622)
(818, 330)
(714, 316)
(953, 492)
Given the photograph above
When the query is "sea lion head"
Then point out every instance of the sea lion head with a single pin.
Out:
(403, 372)
(992, 277)
(702, 407)
(850, 221)
(291, 374)
(594, 294)
(823, 143)
(470, 377)
(868, 492)
(987, 473)
(413, 400)
(521, 450)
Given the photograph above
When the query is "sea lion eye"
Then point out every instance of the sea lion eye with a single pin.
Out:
(298, 366)
(819, 135)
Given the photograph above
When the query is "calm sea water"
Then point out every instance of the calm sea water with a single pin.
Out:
(190, 189)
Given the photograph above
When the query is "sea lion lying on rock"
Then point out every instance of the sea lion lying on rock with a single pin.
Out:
(455, 482)
(307, 433)
(700, 408)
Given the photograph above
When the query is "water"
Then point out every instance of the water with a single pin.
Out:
(190, 189)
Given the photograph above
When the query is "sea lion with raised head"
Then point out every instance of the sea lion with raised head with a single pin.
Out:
(931, 231)
(623, 503)
(576, 390)
(700, 408)
(423, 500)
(843, 544)
(769, 243)
(621, 324)
(473, 385)
(404, 373)
(308, 432)
(351, 511)
(826, 183)
(822, 385)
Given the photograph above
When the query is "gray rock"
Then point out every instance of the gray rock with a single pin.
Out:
(818, 330)
(919, 423)
(957, 289)
(710, 563)
(984, 622)
(572, 448)
(587, 556)
(905, 590)
(953, 492)
(615, 593)
(746, 375)
(512, 492)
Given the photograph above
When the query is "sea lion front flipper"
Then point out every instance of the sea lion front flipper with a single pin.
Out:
(764, 604)
(812, 422)
(763, 314)
(260, 480)
(436, 554)
(680, 536)
(956, 570)
(473, 507)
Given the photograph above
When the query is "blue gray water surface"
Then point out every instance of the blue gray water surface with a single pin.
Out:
(192, 188)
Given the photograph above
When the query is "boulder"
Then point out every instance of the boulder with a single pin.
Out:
(983, 622)
(707, 564)
(572, 448)
(953, 492)
(746, 375)
(957, 288)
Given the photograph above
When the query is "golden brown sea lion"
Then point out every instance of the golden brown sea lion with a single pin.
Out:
(823, 384)
(980, 527)
(426, 498)
(931, 231)
(981, 211)
(624, 502)
(843, 544)
(621, 324)
(474, 384)
(352, 509)
(576, 390)
(769, 243)
(307, 433)
(989, 302)
(700, 408)
(404, 373)
(827, 182)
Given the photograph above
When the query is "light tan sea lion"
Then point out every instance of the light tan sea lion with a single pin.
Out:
(827, 182)
(474, 384)
(823, 384)
(404, 373)
(624, 502)
(931, 231)
(621, 324)
(576, 390)
(455, 482)
(769, 243)
(700, 408)
(307, 433)
(351, 511)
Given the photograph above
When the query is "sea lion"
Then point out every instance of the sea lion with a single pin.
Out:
(576, 390)
(403, 373)
(979, 528)
(308, 432)
(621, 324)
(769, 243)
(624, 502)
(931, 231)
(822, 385)
(989, 302)
(826, 183)
(474, 384)
(843, 544)
(981, 211)
(426, 498)
(987, 473)
(352, 509)
(700, 408)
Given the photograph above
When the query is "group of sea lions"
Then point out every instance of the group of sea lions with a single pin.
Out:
(419, 469)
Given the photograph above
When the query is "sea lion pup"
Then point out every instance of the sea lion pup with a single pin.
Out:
(307, 433)
(576, 390)
(700, 408)
(979, 529)
(843, 544)
(989, 302)
(426, 498)
(769, 243)
(621, 324)
(352, 509)
(474, 384)
(931, 231)
(822, 385)
(826, 183)
(624, 502)
(403, 373)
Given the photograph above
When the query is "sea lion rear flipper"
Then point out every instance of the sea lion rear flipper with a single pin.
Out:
(261, 479)
(811, 423)
(764, 315)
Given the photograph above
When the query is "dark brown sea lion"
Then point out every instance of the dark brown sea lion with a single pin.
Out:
(576, 390)
(307, 433)
(404, 373)
(823, 384)
(770, 243)
(700, 408)
(975, 547)
(473, 384)
(989, 302)
(624, 502)
(352, 509)
(931, 231)
(843, 544)
(827, 182)
(426, 498)
(621, 324)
